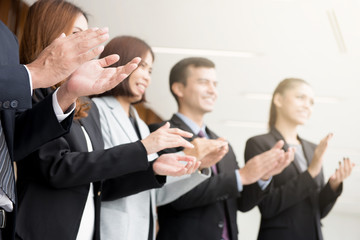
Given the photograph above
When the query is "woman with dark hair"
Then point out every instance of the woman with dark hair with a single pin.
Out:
(60, 185)
(132, 217)
(299, 198)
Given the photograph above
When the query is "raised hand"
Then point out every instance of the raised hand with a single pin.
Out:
(213, 157)
(283, 162)
(316, 163)
(93, 78)
(172, 164)
(166, 137)
(341, 173)
(64, 55)
(261, 164)
(204, 150)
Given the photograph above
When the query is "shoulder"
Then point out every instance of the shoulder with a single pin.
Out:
(154, 126)
(99, 102)
(261, 139)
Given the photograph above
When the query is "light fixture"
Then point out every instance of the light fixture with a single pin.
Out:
(205, 52)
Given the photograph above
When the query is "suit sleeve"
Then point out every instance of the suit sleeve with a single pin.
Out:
(327, 199)
(34, 126)
(177, 186)
(131, 183)
(63, 168)
(37, 126)
(15, 92)
(281, 197)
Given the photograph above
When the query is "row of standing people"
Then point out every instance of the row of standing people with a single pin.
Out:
(62, 184)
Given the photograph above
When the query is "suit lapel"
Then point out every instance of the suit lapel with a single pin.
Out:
(143, 132)
(123, 119)
(175, 121)
(93, 130)
(277, 135)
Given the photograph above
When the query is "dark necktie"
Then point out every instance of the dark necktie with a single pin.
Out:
(7, 183)
(225, 232)
(202, 135)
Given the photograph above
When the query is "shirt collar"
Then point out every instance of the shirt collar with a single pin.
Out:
(192, 125)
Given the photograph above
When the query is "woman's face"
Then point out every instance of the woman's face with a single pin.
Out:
(295, 105)
(80, 24)
(140, 79)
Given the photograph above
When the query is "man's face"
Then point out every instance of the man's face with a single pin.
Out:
(200, 93)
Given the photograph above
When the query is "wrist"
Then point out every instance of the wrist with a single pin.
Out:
(243, 177)
(65, 99)
(313, 172)
(34, 76)
(334, 185)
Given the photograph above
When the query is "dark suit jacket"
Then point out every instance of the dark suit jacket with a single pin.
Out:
(53, 182)
(31, 128)
(297, 202)
(199, 214)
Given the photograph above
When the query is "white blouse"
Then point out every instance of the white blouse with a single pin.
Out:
(87, 224)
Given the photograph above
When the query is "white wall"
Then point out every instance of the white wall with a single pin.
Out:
(286, 38)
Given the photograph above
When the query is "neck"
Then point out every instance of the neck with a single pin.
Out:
(124, 103)
(197, 118)
(287, 130)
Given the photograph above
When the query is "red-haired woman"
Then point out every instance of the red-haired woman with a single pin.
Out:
(60, 184)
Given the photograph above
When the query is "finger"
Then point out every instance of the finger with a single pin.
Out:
(86, 40)
(165, 126)
(333, 177)
(185, 158)
(180, 132)
(89, 55)
(108, 60)
(130, 66)
(278, 145)
(124, 71)
(88, 34)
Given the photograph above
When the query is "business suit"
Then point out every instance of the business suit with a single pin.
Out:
(297, 202)
(129, 217)
(31, 127)
(200, 213)
(54, 181)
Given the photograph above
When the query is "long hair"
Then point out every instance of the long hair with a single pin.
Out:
(46, 20)
(284, 85)
(127, 47)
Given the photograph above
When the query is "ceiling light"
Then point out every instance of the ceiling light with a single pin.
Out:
(205, 52)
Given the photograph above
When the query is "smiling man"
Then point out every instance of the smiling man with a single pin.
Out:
(209, 210)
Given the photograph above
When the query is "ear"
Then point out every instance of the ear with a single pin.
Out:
(278, 99)
(178, 89)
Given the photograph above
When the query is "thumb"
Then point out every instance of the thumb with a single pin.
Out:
(166, 125)
(278, 145)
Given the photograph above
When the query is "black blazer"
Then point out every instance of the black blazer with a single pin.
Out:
(297, 202)
(199, 214)
(53, 182)
(31, 128)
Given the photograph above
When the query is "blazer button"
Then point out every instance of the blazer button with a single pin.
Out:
(221, 224)
(6, 104)
(14, 104)
(99, 193)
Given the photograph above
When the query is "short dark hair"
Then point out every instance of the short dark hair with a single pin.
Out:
(179, 72)
(127, 47)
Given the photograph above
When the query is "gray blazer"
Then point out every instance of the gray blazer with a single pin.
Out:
(129, 217)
